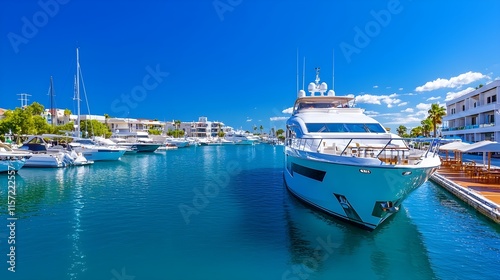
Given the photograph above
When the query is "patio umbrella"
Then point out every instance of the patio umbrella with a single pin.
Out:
(484, 147)
(453, 146)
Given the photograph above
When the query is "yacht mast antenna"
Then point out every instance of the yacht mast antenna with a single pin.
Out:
(317, 75)
(297, 70)
(77, 93)
(333, 69)
(52, 110)
(304, 73)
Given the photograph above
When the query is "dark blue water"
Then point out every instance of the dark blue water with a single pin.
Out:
(223, 213)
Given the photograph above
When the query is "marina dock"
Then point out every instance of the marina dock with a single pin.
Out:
(481, 193)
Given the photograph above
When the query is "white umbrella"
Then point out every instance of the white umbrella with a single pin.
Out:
(483, 146)
(453, 146)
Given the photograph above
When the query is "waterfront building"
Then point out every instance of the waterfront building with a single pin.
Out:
(474, 116)
(204, 128)
(127, 125)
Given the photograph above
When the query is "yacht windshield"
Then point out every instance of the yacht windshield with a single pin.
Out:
(344, 127)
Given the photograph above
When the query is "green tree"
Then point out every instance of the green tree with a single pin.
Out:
(416, 131)
(254, 129)
(436, 114)
(154, 131)
(279, 132)
(261, 128)
(177, 124)
(36, 108)
(90, 128)
(426, 127)
(401, 130)
(67, 112)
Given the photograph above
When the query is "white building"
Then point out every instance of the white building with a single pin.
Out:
(474, 116)
(130, 125)
(204, 128)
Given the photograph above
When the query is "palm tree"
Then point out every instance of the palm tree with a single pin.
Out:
(401, 130)
(416, 131)
(279, 132)
(177, 124)
(426, 127)
(261, 128)
(254, 129)
(436, 114)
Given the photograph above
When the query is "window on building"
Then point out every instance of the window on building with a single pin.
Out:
(494, 98)
(488, 100)
(463, 107)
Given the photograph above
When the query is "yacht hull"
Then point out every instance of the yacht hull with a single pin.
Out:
(102, 154)
(362, 194)
(140, 148)
(11, 165)
(47, 161)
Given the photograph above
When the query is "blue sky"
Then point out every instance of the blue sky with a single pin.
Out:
(235, 60)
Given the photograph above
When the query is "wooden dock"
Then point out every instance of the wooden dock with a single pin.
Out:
(482, 193)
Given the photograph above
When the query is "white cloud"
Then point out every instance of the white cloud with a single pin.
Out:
(400, 88)
(404, 120)
(249, 120)
(288, 111)
(408, 110)
(387, 87)
(402, 104)
(453, 82)
(273, 119)
(452, 95)
(433, 98)
(375, 86)
(389, 100)
(423, 106)
(371, 113)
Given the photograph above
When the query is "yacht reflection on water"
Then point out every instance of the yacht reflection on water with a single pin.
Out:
(323, 246)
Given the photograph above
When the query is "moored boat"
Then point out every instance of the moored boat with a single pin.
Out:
(343, 162)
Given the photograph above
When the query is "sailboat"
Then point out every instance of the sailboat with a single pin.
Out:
(89, 148)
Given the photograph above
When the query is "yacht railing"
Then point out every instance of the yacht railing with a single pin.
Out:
(389, 150)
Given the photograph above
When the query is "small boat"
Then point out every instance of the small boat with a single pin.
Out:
(177, 142)
(138, 141)
(10, 160)
(240, 137)
(43, 155)
(345, 163)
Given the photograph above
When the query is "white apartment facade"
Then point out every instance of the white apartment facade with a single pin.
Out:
(474, 116)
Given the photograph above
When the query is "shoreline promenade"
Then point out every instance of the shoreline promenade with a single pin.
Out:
(473, 184)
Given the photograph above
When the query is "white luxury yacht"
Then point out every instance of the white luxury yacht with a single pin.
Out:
(343, 162)
(240, 137)
(136, 141)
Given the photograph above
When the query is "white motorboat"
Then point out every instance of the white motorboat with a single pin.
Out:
(176, 142)
(344, 163)
(138, 141)
(96, 152)
(240, 137)
(10, 160)
(43, 155)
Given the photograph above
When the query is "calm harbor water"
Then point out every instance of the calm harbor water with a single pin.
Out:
(222, 212)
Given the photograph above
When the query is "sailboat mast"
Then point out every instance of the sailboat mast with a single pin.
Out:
(52, 111)
(77, 93)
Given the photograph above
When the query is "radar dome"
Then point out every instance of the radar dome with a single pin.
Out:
(331, 93)
(311, 87)
(301, 93)
(323, 87)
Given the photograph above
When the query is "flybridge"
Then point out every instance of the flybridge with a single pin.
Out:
(316, 88)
